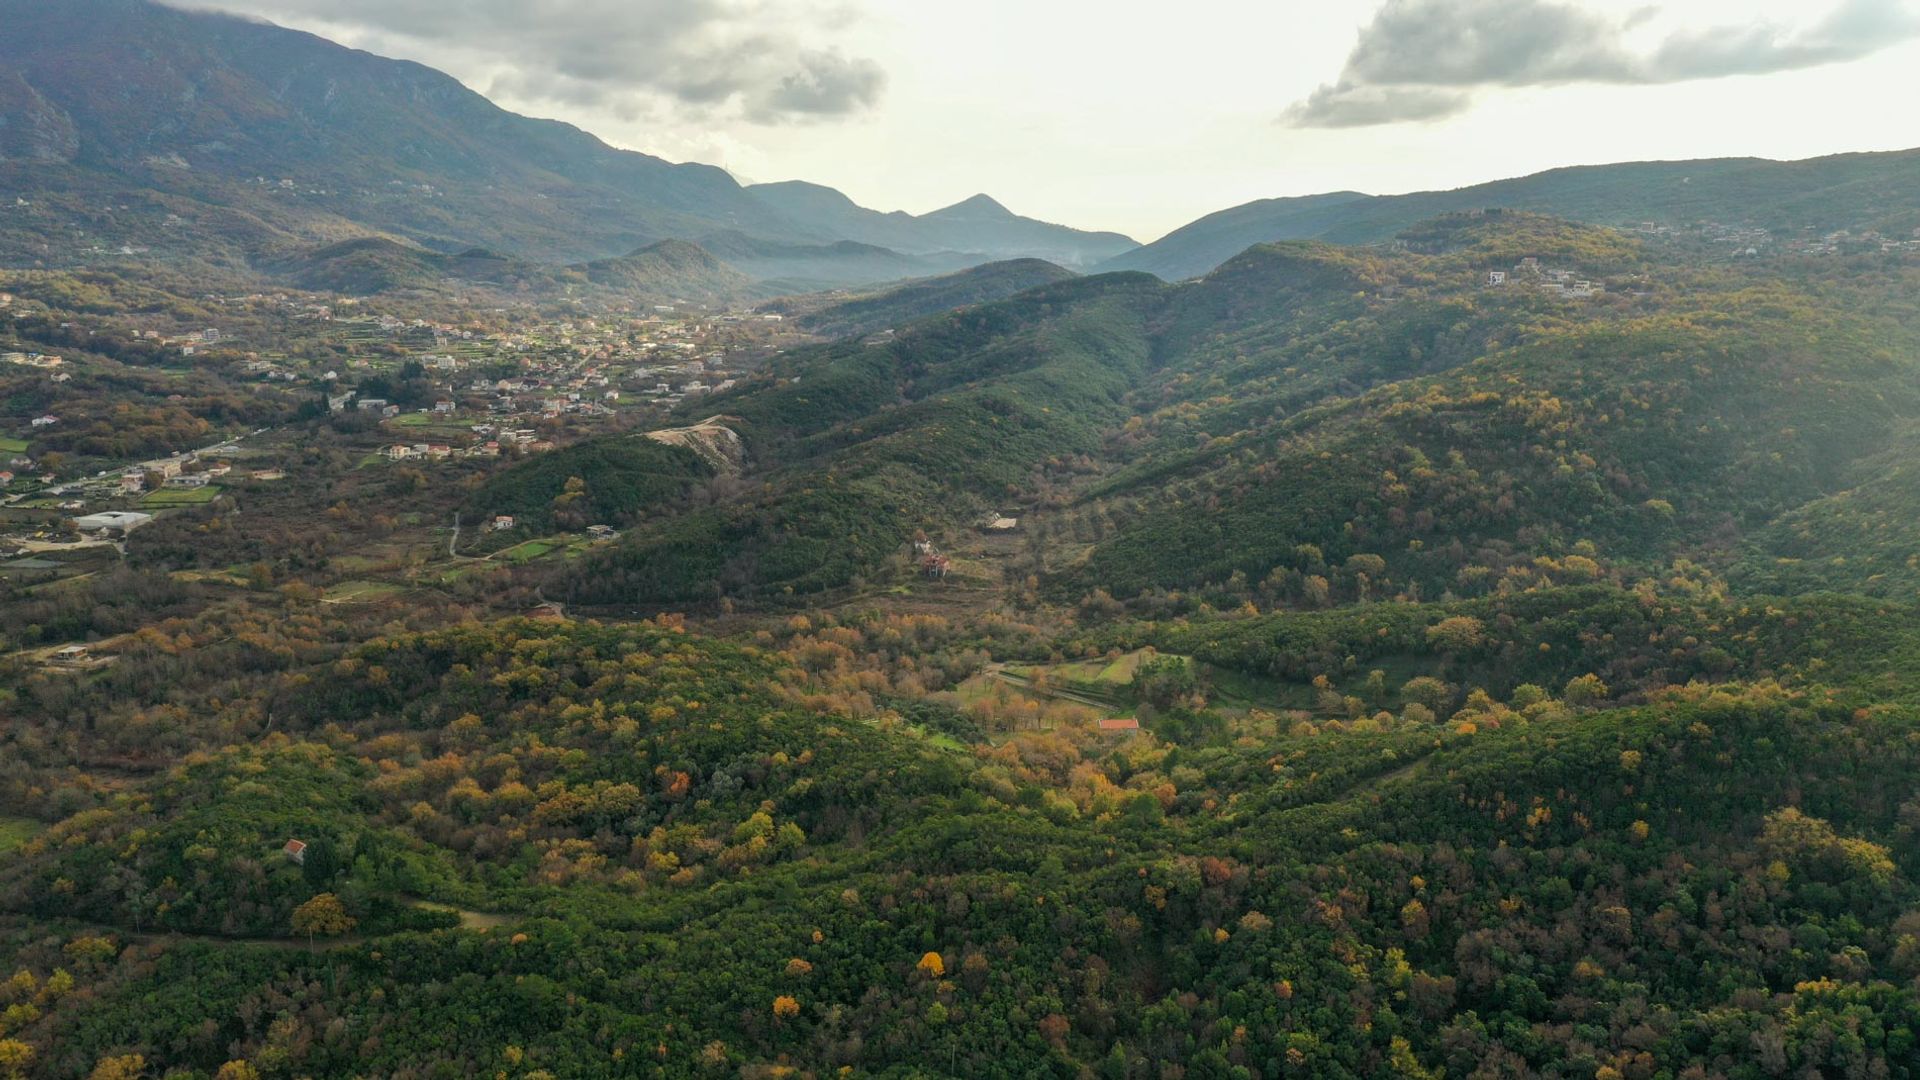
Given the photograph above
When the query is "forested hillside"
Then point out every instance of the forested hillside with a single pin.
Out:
(1349, 664)
(836, 316)
(1382, 407)
(139, 133)
(1791, 198)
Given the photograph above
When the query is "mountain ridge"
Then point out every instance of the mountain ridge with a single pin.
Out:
(979, 224)
(299, 141)
(1879, 189)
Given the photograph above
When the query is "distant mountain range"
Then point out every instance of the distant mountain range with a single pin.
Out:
(1847, 191)
(234, 141)
(977, 224)
(131, 128)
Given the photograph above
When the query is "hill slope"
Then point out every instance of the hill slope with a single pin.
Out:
(201, 105)
(231, 140)
(1355, 404)
(1850, 191)
(914, 300)
(367, 266)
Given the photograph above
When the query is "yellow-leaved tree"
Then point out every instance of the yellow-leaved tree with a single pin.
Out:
(322, 916)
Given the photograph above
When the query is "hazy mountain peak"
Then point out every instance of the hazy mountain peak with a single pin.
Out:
(820, 195)
(979, 206)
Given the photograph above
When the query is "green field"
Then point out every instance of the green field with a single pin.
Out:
(531, 550)
(423, 426)
(16, 831)
(166, 497)
(360, 592)
(11, 445)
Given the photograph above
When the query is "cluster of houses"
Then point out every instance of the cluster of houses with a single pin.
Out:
(50, 364)
(1848, 242)
(189, 343)
(1529, 273)
(527, 439)
(1748, 241)
(267, 369)
(32, 359)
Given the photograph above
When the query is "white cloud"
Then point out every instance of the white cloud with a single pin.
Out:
(767, 61)
(1421, 60)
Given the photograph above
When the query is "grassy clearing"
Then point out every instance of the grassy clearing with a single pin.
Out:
(10, 445)
(1102, 674)
(469, 920)
(218, 577)
(166, 497)
(17, 831)
(354, 564)
(360, 592)
(532, 549)
(420, 425)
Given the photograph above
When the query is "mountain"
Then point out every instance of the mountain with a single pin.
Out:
(786, 266)
(232, 112)
(673, 270)
(226, 140)
(367, 266)
(901, 304)
(1850, 191)
(370, 265)
(978, 225)
(1281, 390)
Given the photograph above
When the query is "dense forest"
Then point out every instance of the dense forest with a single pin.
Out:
(1377, 672)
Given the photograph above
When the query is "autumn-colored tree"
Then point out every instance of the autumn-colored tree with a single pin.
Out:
(15, 1056)
(237, 1070)
(322, 916)
(1414, 920)
(1458, 633)
(932, 965)
(1054, 1028)
(1585, 690)
(786, 1006)
(125, 1067)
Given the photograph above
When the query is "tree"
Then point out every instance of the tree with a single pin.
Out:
(1426, 690)
(1585, 690)
(932, 965)
(1459, 633)
(320, 863)
(15, 1056)
(322, 916)
(127, 1067)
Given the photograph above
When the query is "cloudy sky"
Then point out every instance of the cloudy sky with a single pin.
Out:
(1140, 116)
